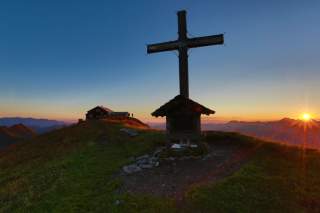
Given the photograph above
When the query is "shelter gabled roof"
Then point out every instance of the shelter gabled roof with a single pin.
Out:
(180, 103)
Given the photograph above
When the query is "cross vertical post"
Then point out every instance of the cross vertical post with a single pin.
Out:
(183, 54)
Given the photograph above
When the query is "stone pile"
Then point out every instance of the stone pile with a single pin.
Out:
(143, 162)
(149, 161)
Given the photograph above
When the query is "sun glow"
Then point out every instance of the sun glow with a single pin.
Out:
(306, 117)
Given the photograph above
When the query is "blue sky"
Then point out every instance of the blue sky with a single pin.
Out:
(60, 58)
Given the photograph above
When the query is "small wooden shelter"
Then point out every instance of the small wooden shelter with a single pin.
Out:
(183, 119)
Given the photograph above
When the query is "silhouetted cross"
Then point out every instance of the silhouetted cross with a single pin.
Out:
(183, 44)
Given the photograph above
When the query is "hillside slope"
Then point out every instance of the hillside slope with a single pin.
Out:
(13, 134)
(5, 138)
(74, 169)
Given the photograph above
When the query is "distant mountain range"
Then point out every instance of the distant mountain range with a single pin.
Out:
(38, 125)
(288, 131)
(12, 134)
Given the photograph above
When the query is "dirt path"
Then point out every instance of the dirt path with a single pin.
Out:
(173, 179)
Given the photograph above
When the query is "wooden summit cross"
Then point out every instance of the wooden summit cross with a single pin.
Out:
(183, 115)
(182, 44)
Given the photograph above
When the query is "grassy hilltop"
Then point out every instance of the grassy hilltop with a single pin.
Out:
(73, 170)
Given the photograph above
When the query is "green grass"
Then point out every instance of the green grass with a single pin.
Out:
(276, 179)
(72, 170)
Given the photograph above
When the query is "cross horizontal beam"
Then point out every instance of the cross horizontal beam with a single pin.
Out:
(164, 46)
(205, 41)
(189, 43)
(182, 44)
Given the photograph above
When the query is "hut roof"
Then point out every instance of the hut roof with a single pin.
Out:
(102, 108)
(180, 103)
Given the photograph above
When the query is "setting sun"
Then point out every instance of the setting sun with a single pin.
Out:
(306, 117)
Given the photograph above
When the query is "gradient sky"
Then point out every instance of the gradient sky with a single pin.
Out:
(60, 58)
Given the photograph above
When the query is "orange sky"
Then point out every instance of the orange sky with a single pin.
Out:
(67, 113)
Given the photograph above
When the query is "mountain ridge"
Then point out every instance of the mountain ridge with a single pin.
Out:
(40, 125)
(287, 130)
